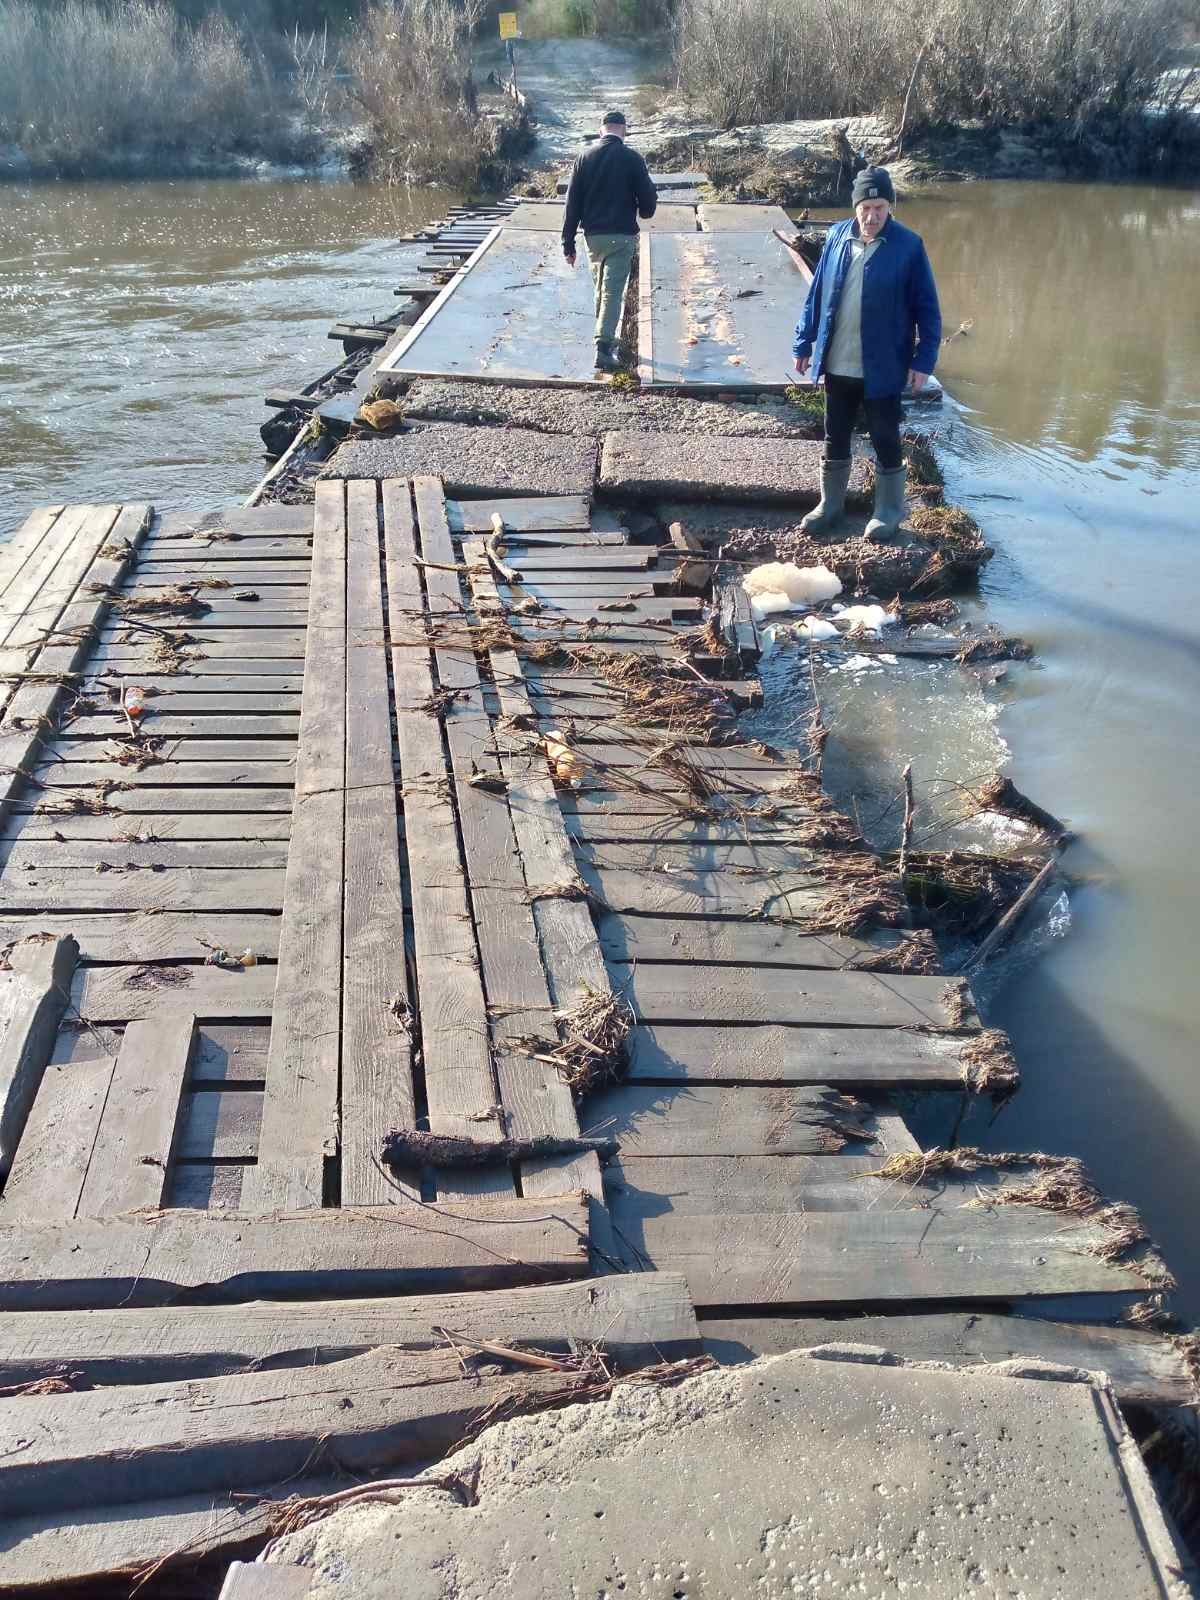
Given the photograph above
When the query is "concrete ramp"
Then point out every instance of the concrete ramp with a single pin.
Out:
(825, 1474)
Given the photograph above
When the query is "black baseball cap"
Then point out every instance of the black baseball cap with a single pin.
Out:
(617, 117)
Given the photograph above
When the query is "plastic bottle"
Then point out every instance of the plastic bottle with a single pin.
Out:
(134, 700)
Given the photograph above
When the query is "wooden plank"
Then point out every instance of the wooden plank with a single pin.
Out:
(708, 1120)
(179, 692)
(558, 513)
(151, 936)
(52, 1552)
(748, 994)
(17, 549)
(206, 749)
(164, 723)
(460, 1085)
(637, 1186)
(34, 997)
(601, 561)
(710, 940)
(378, 1094)
(243, 522)
(220, 1124)
(852, 1258)
(28, 831)
(299, 1126)
(119, 854)
(151, 1258)
(535, 1099)
(208, 1185)
(135, 1142)
(132, 994)
(635, 1318)
(165, 775)
(56, 1146)
(742, 218)
(195, 889)
(706, 894)
(252, 1581)
(1144, 1368)
(849, 1058)
(33, 600)
(385, 1408)
(120, 802)
(136, 662)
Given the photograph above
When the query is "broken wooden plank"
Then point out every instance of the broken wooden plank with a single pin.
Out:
(152, 1258)
(135, 1142)
(1144, 1368)
(636, 1318)
(708, 1120)
(299, 1126)
(36, 993)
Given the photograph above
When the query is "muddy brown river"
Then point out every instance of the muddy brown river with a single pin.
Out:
(140, 326)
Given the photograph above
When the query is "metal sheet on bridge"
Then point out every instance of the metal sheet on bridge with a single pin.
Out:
(517, 314)
(662, 181)
(717, 310)
(548, 214)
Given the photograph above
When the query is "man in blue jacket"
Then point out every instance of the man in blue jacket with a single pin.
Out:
(610, 189)
(871, 327)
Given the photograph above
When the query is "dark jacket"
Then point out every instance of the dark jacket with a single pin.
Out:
(610, 189)
(901, 320)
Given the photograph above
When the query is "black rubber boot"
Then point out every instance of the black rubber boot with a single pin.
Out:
(890, 503)
(606, 356)
(827, 516)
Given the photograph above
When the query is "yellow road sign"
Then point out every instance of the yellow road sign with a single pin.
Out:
(508, 24)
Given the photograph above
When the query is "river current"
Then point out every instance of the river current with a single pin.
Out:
(141, 325)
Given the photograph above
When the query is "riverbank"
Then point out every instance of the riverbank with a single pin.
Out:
(809, 163)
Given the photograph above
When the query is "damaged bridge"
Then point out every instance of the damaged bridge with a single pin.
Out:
(425, 1006)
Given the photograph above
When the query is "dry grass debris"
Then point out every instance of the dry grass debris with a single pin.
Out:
(989, 1065)
(590, 1052)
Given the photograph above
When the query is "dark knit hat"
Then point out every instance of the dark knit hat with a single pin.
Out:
(873, 183)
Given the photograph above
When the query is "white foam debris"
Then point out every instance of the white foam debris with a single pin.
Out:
(816, 628)
(870, 620)
(769, 604)
(803, 586)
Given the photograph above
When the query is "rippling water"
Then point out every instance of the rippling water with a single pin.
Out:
(140, 326)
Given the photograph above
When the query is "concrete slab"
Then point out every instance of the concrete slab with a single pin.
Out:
(474, 461)
(680, 466)
(600, 411)
(547, 215)
(795, 1475)
(718, 218)
(717, 311)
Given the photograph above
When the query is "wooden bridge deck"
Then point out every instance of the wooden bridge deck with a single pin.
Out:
(342, 778)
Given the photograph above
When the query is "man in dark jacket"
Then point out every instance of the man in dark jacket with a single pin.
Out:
(610, 189)
(871, 327)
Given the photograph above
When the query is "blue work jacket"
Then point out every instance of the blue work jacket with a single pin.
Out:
(901, 320)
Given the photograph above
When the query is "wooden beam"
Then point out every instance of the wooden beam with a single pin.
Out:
(639, 1318)
(38, 992)
(710, 1120)
(1144, 1368)
(135, 1142)
(460, 1086)
(299, 1127)
(378, 1094)
(381, 1410)
(845, 1058)
(856, 1258)
(536, 514)
(152, 1258)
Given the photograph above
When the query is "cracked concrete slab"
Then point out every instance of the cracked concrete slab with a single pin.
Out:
(828, 1473)
(681, 466)
(481, 461)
